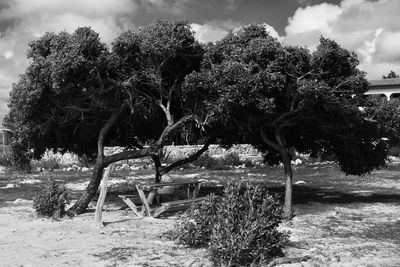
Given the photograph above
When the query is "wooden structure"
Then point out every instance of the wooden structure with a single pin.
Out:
(150, 192)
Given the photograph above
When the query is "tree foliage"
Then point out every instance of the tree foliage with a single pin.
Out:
(387, 115)
(282, 99)
(78, 95)
(391, 75)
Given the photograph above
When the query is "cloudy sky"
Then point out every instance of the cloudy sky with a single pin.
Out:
(371, 28)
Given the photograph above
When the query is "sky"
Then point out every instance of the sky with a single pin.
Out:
(370, 28)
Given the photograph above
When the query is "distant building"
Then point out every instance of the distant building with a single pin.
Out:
(389, 88)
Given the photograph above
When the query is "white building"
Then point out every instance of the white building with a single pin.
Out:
(389, 88)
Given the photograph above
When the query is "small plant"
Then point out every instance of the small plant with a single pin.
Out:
(20, 157)
(6, 160)
(51, 200)
(220, 163)
(87, 160)
(245, 228)
(394, 151)
(232, 159)
(49, 161)
(239, 228)
(195, 226)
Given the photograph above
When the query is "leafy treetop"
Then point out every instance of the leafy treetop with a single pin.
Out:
(282, 99)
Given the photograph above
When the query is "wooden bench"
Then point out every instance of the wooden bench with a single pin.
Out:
(191, 187)
(176, 205)
(129, 200)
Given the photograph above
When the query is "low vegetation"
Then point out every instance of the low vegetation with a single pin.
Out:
(51, 200)
(239, 228)
(220, 163)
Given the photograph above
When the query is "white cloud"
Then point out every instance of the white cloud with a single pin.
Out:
(98, 8)
(271, 30)
(370, 28)
(319, 17)
(213, 30)
(216, 30)
(31, 19)
(8, 54)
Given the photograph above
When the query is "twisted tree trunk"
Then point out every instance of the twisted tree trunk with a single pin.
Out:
(80, 206)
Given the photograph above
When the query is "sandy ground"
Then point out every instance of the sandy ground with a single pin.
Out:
(361, 232)
(26, 240)
(333, 235)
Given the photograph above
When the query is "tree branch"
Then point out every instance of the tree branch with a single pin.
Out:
(169, 131)
(189, 159)
(267, 140)
(104, 131)
(132, 154)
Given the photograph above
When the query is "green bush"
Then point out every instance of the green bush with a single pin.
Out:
(239, 228)
(232, 159)
(20, 157)
(194, 227)
(394, 151)
(6, 160)
(46, 163)
(51, 200)
(222, 163)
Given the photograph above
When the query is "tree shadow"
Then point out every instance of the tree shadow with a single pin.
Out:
(306, 194)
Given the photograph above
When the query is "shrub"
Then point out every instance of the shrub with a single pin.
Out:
(20, 157)
(6, 160)
(239, 228)
(231, 159)
(51, 200)
(222, 163)
(194, 227)
(245, 228)
(205, 160)
(394, 151)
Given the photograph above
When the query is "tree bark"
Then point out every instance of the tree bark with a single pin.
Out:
(158, 168)
(287, 165)
(281, 147)
(102, 196)
(287, 210)
(80, 206)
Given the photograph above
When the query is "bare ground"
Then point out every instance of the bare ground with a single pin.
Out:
(340, 221)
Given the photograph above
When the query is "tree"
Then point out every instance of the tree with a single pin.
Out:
(77, 95)
(285, 99)
(391, 75)
(387, 115)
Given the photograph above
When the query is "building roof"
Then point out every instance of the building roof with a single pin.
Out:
(385, 82)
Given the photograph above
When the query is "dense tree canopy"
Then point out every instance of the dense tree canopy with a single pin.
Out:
(77, 95)
(387, 115)
(282, 99)
(157, 82)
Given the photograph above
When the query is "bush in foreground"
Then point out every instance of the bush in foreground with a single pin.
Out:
(51, 200)
(239, 228)
(195, 226)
